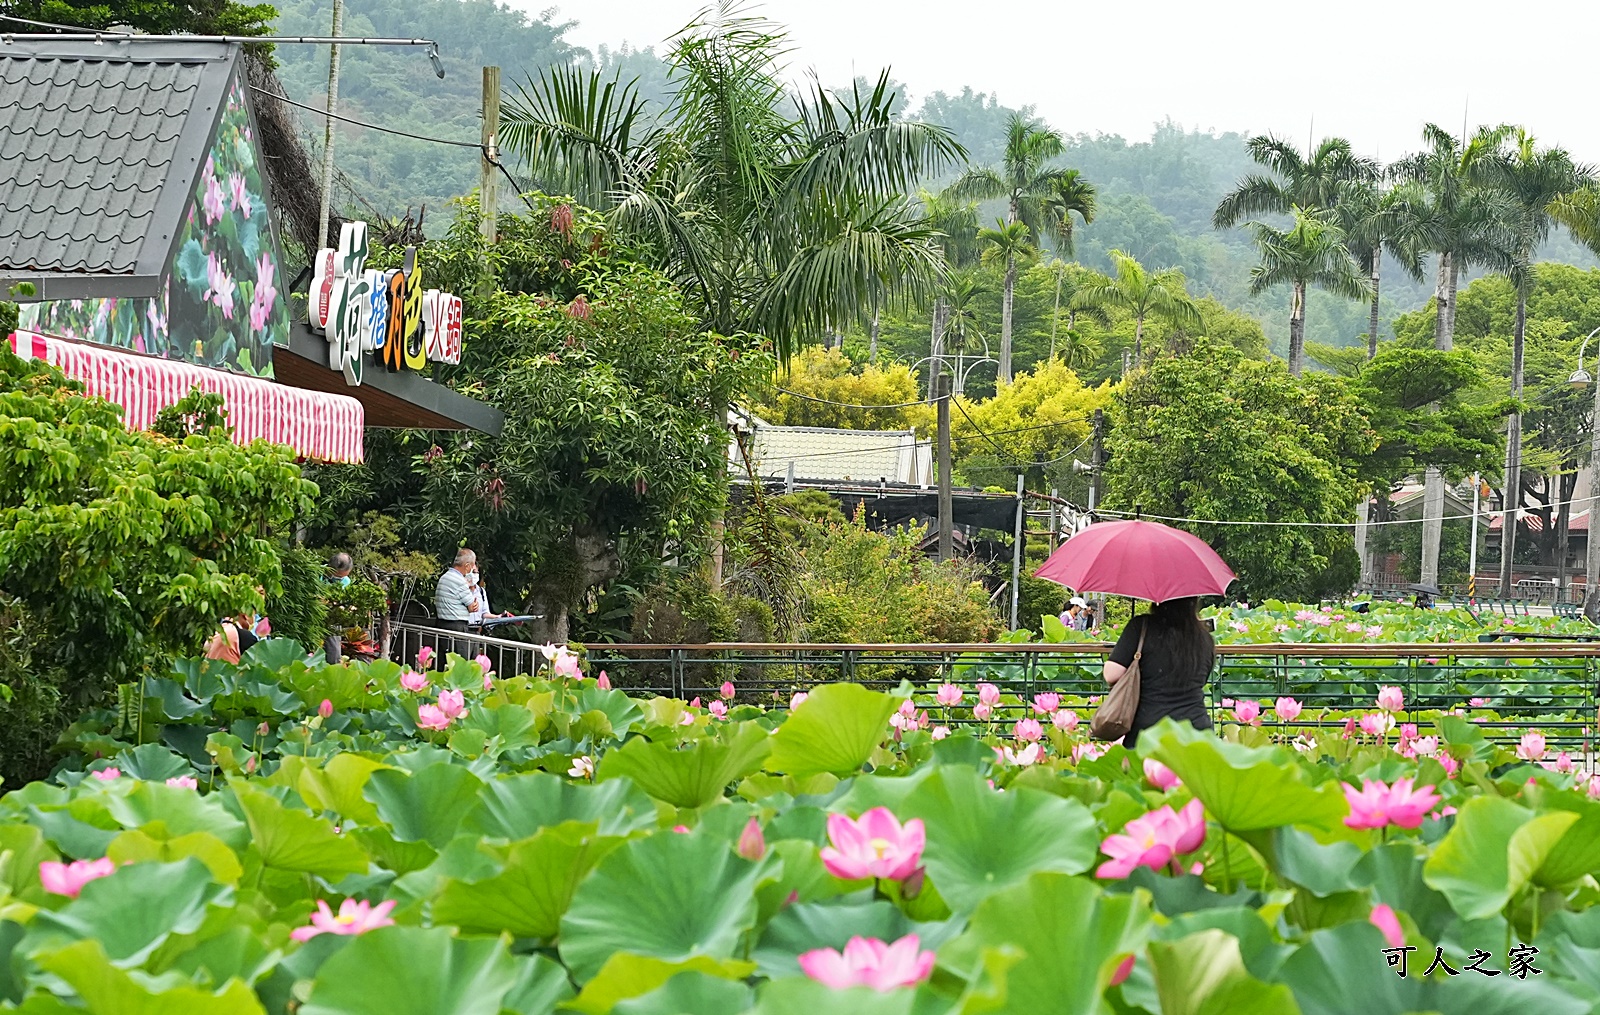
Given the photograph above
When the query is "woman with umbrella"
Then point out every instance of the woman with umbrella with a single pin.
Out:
(1173, 648)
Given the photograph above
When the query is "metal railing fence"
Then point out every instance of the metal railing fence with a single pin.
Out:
(1549, 686)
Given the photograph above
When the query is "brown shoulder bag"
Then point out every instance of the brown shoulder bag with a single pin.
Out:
(1114, 718)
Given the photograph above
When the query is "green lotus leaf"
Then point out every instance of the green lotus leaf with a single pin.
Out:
(804, 926)
(517, 806)
(528, 897)
(694, 775)
(670, 896)
(690, 993)
(1246, 789)
(293, 840)
(834, 730)
(108, 990)
(426, 805)
(133, 910)
(1491, 853)
(626, 976)
(1069, 936)
(415, 971)
(182, 811)
(1204, 974)
(142, 844)
(798, 996)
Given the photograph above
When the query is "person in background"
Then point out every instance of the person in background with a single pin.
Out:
(339, 568)
(1179, 653)
(484, 611)
(1081, 614)
(236, 636)
(261, 627)
(454, 598)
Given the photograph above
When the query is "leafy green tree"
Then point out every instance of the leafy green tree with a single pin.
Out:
(821, 385)
(1041, 197)
(1218, 437)
(1316, 181)
(1041, 418)
(614, 451)
(119, 550)
(1375, 218)
(1143, 294)
(781, 215)
(1312, 252)
(156, 17)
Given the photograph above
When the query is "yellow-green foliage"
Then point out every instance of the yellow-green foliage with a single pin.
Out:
(1019, 417)
(830, 374)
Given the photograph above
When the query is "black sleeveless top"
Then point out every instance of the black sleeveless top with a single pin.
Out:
(1164, 690)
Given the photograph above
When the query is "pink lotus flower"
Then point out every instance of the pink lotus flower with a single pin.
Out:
(1227, 702)
(453, 704)
(69, 878)
(949, 694)
(220, 287)
(1427, 747)
(1240, 626)
(484, 662)
(1383, 918)
(354, 918)
(1390, 699)
(325, 709)
(1160, 776)
(1531, 747)
(1408, 730)
(686, 720)
(582, 768)
(1122, 972)
(940, 732)
(752, 844)
(1478, 702)
(982, 712)
(718, 710)
(260, 313)
(1028, 730)
(989, 694)
(1305, 615)
(1322, 621)
(868, 962)
(1563, 763)
(1086, 752)
(1276, 629)
(1451, 765)
(727, 690)
(241, 196)
(603, 682)
(1287, 709)
(1066, 720)
(1154, 840)
(1375, 631)
(1376, 724)
(212, 203)
(184, 782)
(681, 829)
(1046, 704)
(566, 664)
(430, 717)
(875, 845)
(107, 774)
(425, 657)
(1594, 786)
(1349, 728)
(1248, 712)
(1376, 805)
(1027, 756)
(488, 681)
(413, 681)
(1094, 699)
(797, 699)
(1353, 628)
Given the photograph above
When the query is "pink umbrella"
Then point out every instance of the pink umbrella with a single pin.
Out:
(1141, 560)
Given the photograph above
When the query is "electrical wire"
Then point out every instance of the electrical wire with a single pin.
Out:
(361, 123)
(848, 405)
(1316, 525)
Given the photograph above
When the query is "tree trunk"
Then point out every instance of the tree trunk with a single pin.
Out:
(1508, 534)
(1372, 318)
(1297, 329)
(1432, 524)
(1055, 316)
(1005, 318)
(872, 337)
(1567, 484)
(1444, 297)
(1138, 340)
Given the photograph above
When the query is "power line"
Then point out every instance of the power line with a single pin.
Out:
(1314, 525)
(361, 123)
(847, 405)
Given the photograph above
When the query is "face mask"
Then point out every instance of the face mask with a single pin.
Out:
(472, 579)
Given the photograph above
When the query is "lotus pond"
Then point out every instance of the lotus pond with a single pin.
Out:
(288, 837)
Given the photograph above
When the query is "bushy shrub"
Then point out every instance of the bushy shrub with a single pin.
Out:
(299, 611)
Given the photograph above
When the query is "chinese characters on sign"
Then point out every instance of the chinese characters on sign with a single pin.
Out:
(363, 309)
(1519, 962)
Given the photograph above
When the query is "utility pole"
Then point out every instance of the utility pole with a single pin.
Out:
(1591, 590)
(1097, 459)
(1472, 554)
(946, 542)
(326, 212)
(488, 171)
(1016, 557)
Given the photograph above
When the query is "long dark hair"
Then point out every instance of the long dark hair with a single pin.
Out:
(1174, 630)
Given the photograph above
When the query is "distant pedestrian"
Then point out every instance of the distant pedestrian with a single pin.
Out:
(454, 598)
(1076, 617)
(339, 567)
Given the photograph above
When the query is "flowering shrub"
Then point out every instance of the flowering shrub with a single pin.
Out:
(286, 836)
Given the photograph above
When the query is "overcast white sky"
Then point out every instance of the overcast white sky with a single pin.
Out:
(1371, 71)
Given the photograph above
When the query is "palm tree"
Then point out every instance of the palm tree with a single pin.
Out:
(779, 214)
(1041, 197)
(1312, 252)
(1011, 244)
(1070, 283)
(1544, 188)
(956, 222)
(1143, 294)
(962, 330)
(1373, 219)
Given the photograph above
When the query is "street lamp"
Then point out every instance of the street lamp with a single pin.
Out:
(1580, 378)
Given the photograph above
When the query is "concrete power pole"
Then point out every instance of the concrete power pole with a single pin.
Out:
(326, 212)
(488, 171)
(946, 536)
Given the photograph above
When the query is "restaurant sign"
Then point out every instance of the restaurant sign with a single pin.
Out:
(388, 313)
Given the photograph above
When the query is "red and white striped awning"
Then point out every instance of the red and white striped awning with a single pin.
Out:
(317, 425)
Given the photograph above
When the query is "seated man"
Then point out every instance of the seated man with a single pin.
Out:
(454, 599)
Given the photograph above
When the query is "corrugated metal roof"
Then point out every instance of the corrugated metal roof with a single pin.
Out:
(98, 153)
(824, 453)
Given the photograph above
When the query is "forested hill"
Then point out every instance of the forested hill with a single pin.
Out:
(1156, 195)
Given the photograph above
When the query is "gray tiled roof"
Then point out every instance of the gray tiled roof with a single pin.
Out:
(99, 148)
